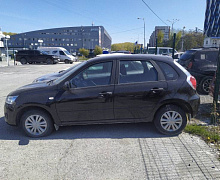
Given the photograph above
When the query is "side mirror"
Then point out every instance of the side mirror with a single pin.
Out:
(66, 85)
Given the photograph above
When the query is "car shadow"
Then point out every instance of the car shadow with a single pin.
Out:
(113, 131)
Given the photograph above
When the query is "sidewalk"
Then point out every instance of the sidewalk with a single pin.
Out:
(4, 63)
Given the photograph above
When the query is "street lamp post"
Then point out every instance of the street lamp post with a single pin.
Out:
(173, 21)
(144, 30)
(182, 38)
(7, 37)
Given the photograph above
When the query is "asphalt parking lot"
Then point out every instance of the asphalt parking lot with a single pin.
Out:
(121, 151)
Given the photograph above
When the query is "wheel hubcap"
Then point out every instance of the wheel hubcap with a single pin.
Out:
(206, 85)
(171, 121)
(35, 124)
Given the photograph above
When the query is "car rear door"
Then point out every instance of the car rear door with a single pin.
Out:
(139, 89)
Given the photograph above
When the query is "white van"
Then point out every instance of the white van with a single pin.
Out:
(62, 53)
(161, 50)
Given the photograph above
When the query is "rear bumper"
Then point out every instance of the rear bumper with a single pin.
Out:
(194, 103)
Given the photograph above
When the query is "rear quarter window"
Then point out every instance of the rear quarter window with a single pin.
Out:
(168, 71)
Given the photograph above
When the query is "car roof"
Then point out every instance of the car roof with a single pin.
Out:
(132, 57)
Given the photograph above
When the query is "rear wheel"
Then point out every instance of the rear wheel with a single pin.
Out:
(23, 61)
(36, 123)
(204, 85)
(170, 120)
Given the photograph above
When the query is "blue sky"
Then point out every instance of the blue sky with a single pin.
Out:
(119, 17)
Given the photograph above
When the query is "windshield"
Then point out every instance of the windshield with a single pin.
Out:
(69, 72)
(67, 53)
(187, 55)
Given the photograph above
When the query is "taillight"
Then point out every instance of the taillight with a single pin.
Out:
(190, 65)
(192, 82)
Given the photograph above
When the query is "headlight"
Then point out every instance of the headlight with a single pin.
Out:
(11, 99)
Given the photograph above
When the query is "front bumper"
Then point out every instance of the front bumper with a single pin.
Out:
(10, 114)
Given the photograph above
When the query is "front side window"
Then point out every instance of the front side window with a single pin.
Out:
(95, 75)
(61, 53)
(137, 71)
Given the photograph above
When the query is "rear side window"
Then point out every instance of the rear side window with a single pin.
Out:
(168, 71)
(54, 52)
(137, 71)
(187, 55)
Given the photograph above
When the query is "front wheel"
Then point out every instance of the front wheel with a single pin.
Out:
(170, 120)
(49, 61)
(66, 61)
(23, 61)
(36, 123)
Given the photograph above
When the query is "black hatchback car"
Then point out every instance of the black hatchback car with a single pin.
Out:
(108, 89)
(35, 56)
(202, 64)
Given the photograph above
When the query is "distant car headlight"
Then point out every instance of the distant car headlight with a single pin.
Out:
(11, 99)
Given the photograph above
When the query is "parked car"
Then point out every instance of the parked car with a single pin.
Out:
(60, 52)
(202, 64)
(35, 56)
(108, 89)
(53, 76)
(161, 50)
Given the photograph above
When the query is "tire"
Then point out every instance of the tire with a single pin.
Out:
(66, 61)
(36, 123)
(204, 85)
(23, 61)
(170, 120)
(49, 61)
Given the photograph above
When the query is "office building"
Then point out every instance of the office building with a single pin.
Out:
(164, 29)
(71, 38)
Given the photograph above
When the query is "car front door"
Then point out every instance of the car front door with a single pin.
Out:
(62, 55)
(138, 90)
(90, 96)
(39, 57)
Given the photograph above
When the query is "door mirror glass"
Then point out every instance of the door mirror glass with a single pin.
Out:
(67, 85)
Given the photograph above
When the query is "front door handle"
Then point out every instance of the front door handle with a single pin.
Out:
(105, 94)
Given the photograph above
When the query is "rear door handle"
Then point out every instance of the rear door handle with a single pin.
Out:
(157, 90)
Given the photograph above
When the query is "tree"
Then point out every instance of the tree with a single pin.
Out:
(160, 37)
(9, 33)
(190, 40)
(84, 52)
(97, 50)
(193, 40)
(127, 46)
